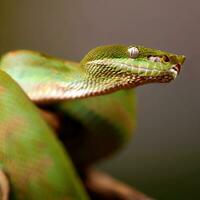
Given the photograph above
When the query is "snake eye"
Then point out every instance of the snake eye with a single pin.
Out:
(133, 52)
(165, 58)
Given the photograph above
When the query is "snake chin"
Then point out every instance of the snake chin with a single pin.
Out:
(150, 79)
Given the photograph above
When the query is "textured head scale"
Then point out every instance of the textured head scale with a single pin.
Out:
(133, 65)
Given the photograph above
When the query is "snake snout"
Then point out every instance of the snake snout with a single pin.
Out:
(177, 67)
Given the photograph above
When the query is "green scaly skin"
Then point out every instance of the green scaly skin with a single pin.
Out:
(91, 128)
(33, 159)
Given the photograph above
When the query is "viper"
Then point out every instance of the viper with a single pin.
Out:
(59, 116)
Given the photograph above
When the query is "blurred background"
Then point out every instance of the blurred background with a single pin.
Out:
(163, 159)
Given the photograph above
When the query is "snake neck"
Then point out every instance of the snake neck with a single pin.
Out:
(89, 86)
(90, 83)
(80, 82)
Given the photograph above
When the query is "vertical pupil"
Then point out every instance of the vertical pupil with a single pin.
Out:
(166, 58)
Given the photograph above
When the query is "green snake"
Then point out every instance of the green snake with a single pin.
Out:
(34, 87)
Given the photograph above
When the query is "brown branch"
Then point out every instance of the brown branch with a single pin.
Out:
(103, 187)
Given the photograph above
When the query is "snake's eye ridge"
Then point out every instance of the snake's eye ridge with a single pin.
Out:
(165, 58)
(133, 52)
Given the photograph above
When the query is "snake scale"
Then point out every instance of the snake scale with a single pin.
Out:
(59, 116)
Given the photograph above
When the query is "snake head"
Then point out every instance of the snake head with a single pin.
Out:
(132, 65)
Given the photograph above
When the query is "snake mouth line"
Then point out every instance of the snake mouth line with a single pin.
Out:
(141, 71)
(170, 73)
(175, 70)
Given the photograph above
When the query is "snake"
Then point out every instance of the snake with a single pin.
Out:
(60, 116)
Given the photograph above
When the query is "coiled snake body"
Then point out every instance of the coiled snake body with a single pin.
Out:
(35, 162)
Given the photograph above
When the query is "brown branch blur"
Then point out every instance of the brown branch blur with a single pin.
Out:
(103, 187)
